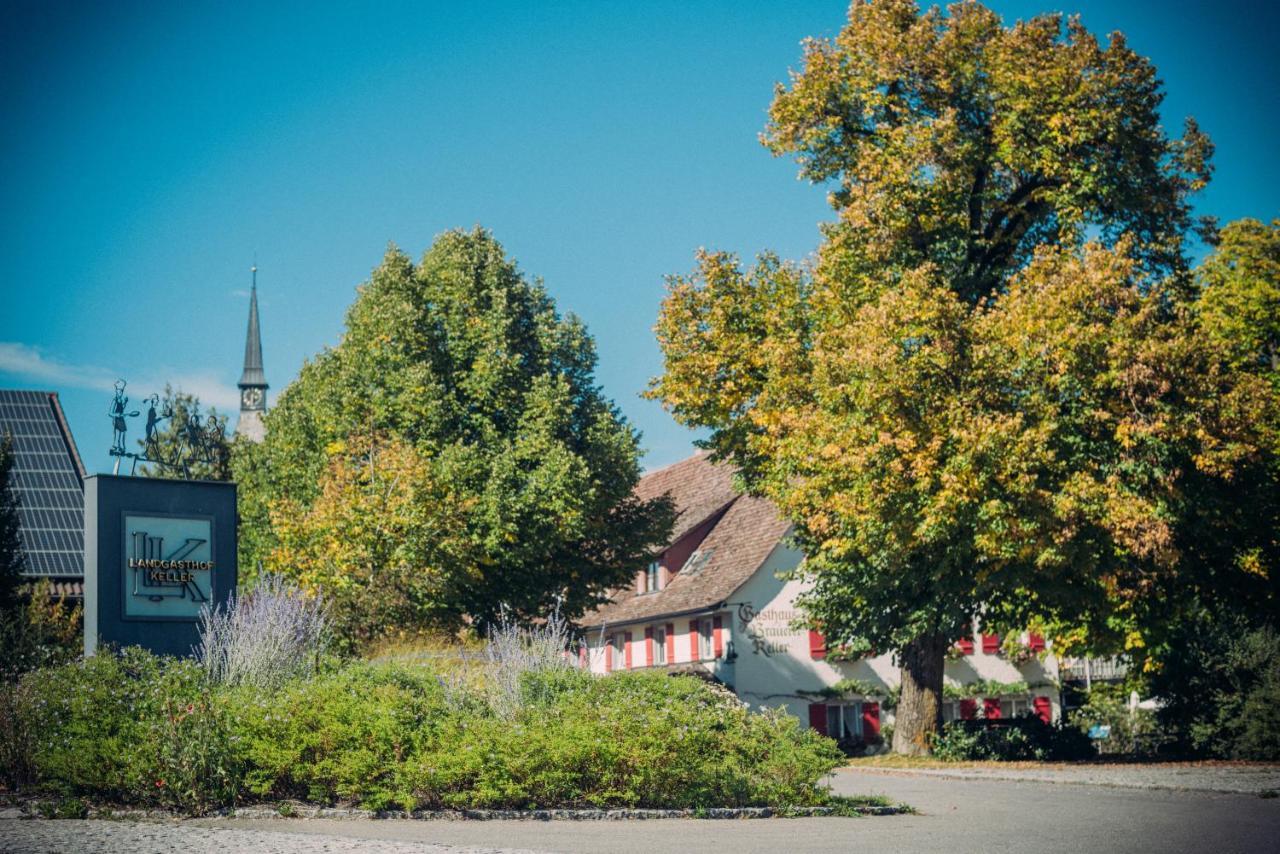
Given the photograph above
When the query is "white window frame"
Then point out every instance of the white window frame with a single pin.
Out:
(653, 577)
(659, 644)
(617, 651)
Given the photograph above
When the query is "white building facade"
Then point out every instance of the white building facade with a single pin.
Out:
(717, 603)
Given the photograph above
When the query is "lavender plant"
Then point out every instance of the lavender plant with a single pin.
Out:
(512, 651)
(264, 637)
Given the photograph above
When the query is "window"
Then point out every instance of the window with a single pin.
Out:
(706, 642)
(617, 653)
(659, 645)
(652, 577)
(844, 721)
(1013, 708)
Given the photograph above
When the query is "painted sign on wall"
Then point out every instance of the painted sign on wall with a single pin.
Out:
(170, 565)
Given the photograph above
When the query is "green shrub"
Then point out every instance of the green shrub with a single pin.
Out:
(635, 739)
(1020, 739)
(1134, 732)
(131, 727)
(343, 736)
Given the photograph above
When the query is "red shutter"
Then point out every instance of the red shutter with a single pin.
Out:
(717, 635)
(626, 654)
(991, 708)
(817, 644)
(965, 645)
(1044, 709)
(990, 644)
(608, 654)
(1035, 641)
(671, 643)
(968, 709)
(582, 656)
(694, 652)
(818, 717)
(648, 646)
(870, 721)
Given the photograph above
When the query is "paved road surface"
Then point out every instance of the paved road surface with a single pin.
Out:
(955, 815)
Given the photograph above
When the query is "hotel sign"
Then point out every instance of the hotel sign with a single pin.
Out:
(170, 565)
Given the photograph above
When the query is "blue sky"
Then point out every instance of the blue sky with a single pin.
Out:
(151, 152)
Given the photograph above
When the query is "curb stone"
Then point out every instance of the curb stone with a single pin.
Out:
(306, 812)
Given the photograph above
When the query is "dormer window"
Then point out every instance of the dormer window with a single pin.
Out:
(652, 577)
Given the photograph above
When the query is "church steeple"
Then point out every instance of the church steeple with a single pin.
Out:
(253, 382)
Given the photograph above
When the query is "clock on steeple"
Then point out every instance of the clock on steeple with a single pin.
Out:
(253, 382)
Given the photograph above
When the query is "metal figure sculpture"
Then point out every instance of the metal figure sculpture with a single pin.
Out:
(196, 442)
(118, 413)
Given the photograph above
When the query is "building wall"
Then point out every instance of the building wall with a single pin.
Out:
(768, 661)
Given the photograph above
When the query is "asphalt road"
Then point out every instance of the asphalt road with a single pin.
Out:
(956, 815)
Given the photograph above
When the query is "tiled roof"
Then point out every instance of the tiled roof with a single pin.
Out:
(699, 487)
(736, 546)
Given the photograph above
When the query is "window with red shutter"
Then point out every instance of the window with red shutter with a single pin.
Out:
(990, 644)
(693, 641)
(991, 708)
(1044, 709)
(817, 644)
(965, 646)
(968, 709)
(627, 644)
(671, 643)
(818, 717)
(870, 721)
(648, 646)
(717, 631)
(1036, 642)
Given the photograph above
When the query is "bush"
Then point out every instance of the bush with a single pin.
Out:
(1020, 739)
(1134, 732)
(133, 728)
(264, 637)
(39, 630)
(629, 740)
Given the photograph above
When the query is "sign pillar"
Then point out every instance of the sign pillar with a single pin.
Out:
(156, 552)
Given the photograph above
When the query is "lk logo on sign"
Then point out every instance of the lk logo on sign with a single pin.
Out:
(170, 565)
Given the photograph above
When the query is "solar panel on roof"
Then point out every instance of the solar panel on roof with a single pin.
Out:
(47, 479)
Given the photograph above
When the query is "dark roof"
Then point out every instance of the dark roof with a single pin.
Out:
(739, 542)
(48, 478)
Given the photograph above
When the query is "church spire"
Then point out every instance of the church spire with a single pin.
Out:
(253, 382)
(253, 375)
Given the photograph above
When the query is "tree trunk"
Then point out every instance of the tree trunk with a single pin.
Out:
(919, 712)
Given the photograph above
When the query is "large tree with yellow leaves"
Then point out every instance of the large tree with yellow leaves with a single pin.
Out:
(991, 398)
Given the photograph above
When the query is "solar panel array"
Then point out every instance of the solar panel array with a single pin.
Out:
(46, 477)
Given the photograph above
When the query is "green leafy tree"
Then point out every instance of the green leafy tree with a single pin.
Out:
(1241, 294)
(453, 451)
(182, 441)
(12, 559)
(990, 399)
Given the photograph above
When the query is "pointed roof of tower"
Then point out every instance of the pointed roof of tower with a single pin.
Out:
(253, 375)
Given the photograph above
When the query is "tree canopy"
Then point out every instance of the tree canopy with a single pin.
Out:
(992, 397)
(182, 441)
(453, 450)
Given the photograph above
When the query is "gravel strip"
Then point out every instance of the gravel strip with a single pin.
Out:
(1188, 777)
(130, 837)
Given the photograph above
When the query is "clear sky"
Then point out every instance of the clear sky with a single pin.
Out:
(150, 152)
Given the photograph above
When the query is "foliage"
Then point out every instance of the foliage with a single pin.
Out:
(1025, 738)
(515, 653)
(992, 395)
(1134, 732)
(263, 637)
(39, 630)
(1216, 685)
(984, 688)
(12, 559)
(186, 442)
(508, 475)
(138, 729)
(1240, 305)
(130, 728)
